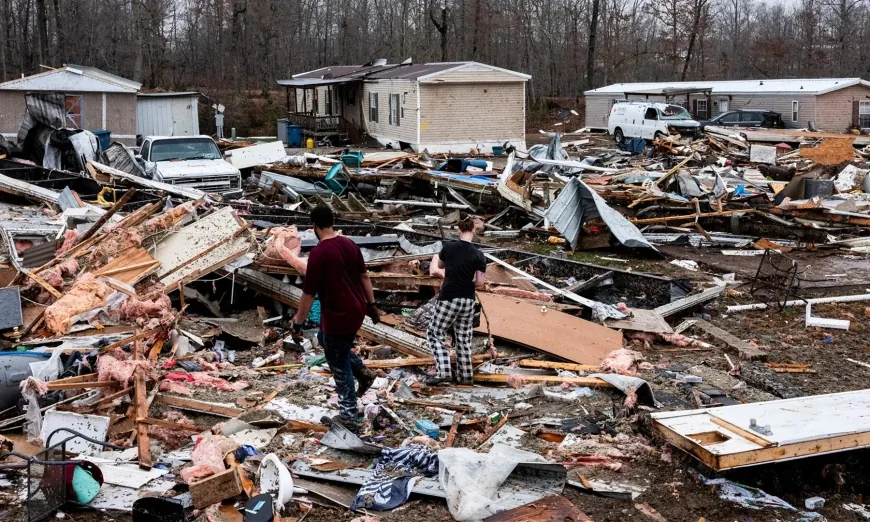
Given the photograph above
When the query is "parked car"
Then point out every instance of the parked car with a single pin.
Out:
(191, 161)
(747, 118)
(649, 120)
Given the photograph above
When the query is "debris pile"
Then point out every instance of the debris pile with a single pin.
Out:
(630, 302)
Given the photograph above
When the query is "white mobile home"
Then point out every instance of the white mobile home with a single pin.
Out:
(441, 107)
(831, 104)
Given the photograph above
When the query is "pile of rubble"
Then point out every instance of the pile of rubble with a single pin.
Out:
(152, 370)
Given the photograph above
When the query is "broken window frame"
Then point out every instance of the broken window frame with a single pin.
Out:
(864, 114)
(373, 106)
(795, 107)
(394, 109)
(74, 120)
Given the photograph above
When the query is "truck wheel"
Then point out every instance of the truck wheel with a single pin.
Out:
(617, 136)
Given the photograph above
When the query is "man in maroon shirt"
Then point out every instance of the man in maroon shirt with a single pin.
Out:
(337, 275)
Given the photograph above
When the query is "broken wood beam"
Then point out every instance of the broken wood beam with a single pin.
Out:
(222, 410)
(454, 428)
(140, 402)
(689, 217)
(433, 404)
(167, 424)
(746, 350)
(54, 385)
(592, 282)
(105, 217)
(502, 378)
(571, 367)
(420, 361)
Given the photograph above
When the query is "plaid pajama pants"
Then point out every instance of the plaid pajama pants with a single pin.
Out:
(458, 313)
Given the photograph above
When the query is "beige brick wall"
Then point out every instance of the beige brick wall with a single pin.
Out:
(834, 109)
(472, 111)
(406, 128)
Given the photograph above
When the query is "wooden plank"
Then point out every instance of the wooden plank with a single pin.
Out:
(571, 367)
(746, 350)
(502, 378)
(200, 406)
(80, 385)
(105, 217)
(550, 331)
(642, 321)
(41, 282)
(215, 488)
(154, 353)
(454, 429)
(434, 404)
(125, 341)
(748, 435)
(129, 266)
(143, 440)
(416, 361)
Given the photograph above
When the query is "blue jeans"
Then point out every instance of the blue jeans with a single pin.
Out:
(344, 364)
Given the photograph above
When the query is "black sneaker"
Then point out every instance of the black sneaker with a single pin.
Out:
(435, 380)
(365, 379)
(346, 422)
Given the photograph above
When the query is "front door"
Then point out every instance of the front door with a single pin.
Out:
(723, 106)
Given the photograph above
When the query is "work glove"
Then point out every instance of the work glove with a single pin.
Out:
(373, 313)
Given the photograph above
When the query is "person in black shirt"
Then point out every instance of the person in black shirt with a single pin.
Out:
(465, 269)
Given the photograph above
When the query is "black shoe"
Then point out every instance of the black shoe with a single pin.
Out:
(365, 379)
(346, 422)
(435, 380)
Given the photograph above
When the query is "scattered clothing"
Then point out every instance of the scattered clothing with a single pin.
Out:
(384, 489)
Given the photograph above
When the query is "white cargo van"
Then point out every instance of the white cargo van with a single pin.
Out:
(649, 120)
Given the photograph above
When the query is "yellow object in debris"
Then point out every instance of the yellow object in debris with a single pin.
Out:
(101, 200)
(309, 143)
(556, 240)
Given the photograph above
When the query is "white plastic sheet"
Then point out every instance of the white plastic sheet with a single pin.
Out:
(472, 479)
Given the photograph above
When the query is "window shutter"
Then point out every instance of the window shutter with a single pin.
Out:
(695, 108)
(855, 112)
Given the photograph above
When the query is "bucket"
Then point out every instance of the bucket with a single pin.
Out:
(497, 150)
(276, 478)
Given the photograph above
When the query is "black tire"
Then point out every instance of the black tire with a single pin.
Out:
(617, 136)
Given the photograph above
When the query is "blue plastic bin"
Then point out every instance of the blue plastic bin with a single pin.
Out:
(294, 136)
(105, 138)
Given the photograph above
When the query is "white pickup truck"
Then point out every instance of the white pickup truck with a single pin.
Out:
(190, 161)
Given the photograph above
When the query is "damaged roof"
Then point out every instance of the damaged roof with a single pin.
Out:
(410, 71)
(813, 86)
(73, 78)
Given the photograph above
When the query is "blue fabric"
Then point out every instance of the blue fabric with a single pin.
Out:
(635, 146)
(385, 489)
(343, 364)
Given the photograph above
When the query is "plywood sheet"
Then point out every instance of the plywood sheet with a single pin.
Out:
(550, 331)
(499, 274)
(200, 247)
(138, 260)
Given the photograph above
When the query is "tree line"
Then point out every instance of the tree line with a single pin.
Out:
(566, 45)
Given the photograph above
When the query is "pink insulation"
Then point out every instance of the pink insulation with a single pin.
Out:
(165, 220)
(205, 380)
(86, 294)
(285, 248)
(207, 459)
(173, 438)
(70, 238)
(110, 368)
(54, 275)
(177, 388)
(622, 361)
(114, 242)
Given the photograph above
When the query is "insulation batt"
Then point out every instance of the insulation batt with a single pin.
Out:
(167, 219)
(285, 247)
(110, 368)
(173, 438)
(86, 294)
(54, 275)
(622, 361)
(114, 242)
(70, 238)
(207, 457)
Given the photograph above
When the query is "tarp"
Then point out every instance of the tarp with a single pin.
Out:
(577, 204)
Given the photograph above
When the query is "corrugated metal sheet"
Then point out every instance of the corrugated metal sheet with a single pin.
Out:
(167, 115)
(39, 255)
(577, 204)
(47, 109)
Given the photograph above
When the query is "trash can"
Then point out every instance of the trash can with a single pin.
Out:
(105, 138)
(294, 136)
(282, 130)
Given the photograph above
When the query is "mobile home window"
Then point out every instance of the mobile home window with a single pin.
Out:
(394, 109)
(373, 106)
(794, 111)
(701, 111)
(864, 114)
(73, 105)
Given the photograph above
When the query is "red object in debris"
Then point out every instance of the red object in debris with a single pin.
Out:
(179, 376)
